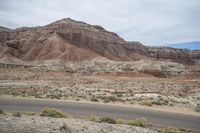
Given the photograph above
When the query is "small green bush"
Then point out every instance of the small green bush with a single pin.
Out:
(17, 114)
(170, 130)
(52, 112)
(138, 122)
(107, 119)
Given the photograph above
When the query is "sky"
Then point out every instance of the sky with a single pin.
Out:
(151, 22)
(187, 45)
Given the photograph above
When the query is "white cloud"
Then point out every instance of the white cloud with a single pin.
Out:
(152, 22)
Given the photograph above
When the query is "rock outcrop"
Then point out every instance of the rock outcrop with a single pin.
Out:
(71, 40)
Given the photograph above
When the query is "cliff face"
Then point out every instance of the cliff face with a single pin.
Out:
(71, 40)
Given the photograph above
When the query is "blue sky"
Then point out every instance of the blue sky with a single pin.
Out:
(187, 45)
(152, 22)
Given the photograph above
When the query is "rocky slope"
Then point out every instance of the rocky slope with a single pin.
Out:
(71, 40)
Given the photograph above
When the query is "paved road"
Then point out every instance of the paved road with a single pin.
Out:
(86, 109)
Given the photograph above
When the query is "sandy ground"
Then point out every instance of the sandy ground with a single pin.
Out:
(176, 94)
(37, 124)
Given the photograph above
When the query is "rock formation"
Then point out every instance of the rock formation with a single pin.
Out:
(71, 40)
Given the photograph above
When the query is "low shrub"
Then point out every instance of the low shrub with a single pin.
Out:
(64, 126)
(2, 112)
(157, 102)
(160, 101)
(17, 114)
(52, 112)
(54, 96)
(147, 103)
(120, 121)
(169, 130)
(104, 119)
(197, 109)
(138, 122)
(94, 118)
(107, 99)
(93, 99)
(30, 113)
(112, 98)
(107, 119)
(119, 95)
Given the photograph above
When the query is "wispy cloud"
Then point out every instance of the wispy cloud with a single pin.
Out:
(152, 22)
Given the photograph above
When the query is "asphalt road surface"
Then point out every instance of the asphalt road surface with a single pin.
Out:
(77, 109)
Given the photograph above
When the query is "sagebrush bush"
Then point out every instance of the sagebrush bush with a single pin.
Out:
(52, 112)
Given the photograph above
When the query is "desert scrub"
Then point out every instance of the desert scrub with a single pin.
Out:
(160, 101)
(107, 119)
(17, 114)
(52, 112)
(104, 119)
(30, 113)
(147, 103)
(107, 99)
(138, 122)
(169, 130)
(94, 118)
(54, 96)
(64, 126)
(119, 95)
(197, 109)
(2, 112)
(120, 121)
(93, 99)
